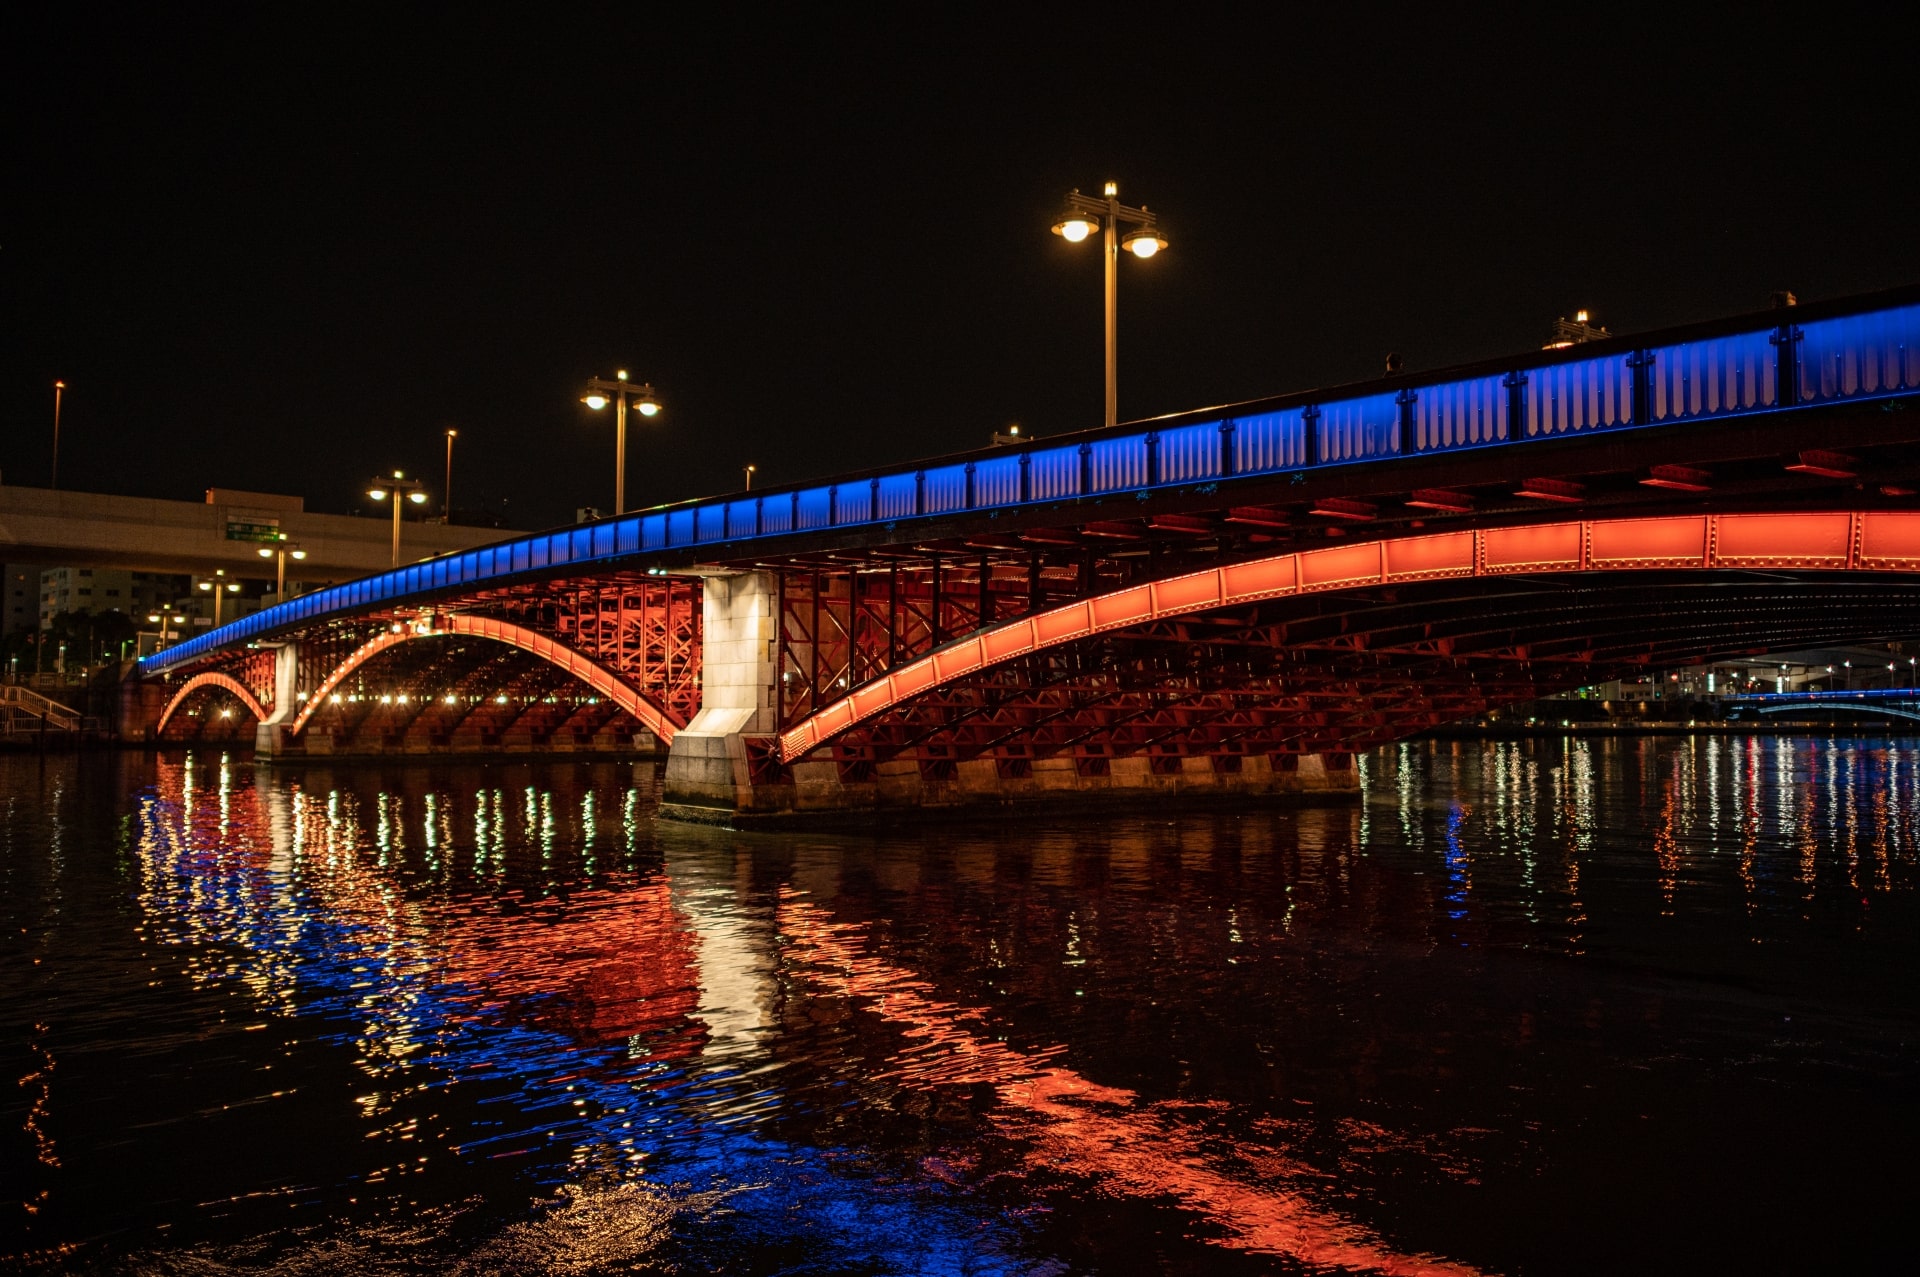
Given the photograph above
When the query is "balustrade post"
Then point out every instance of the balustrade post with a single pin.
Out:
(1786, 365)
(1516, 384)
(1640, 410)
(1227, 429)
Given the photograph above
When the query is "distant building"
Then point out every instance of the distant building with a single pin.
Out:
(1574, 332)
(19, 597)
(97, 590)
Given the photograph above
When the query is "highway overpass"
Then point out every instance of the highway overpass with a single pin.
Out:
(140, 534)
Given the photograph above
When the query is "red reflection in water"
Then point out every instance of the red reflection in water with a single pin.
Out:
(600, 969)
(1075, 1124)
(601, 966)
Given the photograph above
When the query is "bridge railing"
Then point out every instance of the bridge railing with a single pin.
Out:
(1744, 366)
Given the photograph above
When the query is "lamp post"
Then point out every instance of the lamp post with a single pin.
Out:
(217, 586)
(1082, 216)
(398, 487)
(601, 392)
(280, 550)
(750, 470)
(165, 621)
(446, 495)
(59, 388)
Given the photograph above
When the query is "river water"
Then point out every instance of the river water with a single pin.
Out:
(1572, 1006)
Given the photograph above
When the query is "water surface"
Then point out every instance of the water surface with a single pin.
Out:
(1576, 1007)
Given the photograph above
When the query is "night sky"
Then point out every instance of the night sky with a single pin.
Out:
(284, 251)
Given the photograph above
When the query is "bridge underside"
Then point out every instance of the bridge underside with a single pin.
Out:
(434, 694)
(1241, 697)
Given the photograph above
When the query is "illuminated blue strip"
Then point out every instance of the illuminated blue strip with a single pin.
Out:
(1858, 357)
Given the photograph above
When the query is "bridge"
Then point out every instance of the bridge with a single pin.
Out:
(1231, 599)
(1900, 704)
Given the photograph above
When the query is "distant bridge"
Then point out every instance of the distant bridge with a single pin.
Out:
(1234, 598)
(1886, 702)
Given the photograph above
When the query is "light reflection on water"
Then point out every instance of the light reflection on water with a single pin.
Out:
(495, 1018)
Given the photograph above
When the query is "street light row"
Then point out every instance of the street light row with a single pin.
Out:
(1135, 230)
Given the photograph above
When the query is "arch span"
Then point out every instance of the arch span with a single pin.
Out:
(591, 672)
(212, 678)
(1818, 541)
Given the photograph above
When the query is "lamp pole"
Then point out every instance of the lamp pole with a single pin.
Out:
(750, 470)
(601, 392)
(1080, 218)
(219, 587)
(398, 487)
(280, 549)
(446, 495)
(163, 619)
(59, 388)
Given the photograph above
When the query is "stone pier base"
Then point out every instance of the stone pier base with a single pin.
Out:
(820, 794)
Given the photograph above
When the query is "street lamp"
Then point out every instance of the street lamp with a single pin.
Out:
(1079, 219)
(59, 388)
(219, 589)
(750, 470)
(397, 487)
(165, 621)
(446, 496)
(282, 549)
(601, 392)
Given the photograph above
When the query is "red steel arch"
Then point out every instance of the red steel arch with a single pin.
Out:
(1872, 541)
(211, 679)
(591, 672)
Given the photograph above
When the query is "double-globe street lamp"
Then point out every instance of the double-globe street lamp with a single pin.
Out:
(166, 621)
(1082, 216)
(219, 587)
(398, 487)
(600, 393)
(283, 549)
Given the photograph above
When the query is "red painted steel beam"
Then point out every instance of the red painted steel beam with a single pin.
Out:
(1875, 541)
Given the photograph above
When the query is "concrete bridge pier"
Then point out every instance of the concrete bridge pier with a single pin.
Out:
(707, 774)
(270, 736)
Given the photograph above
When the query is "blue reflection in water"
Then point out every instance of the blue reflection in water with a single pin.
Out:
(1457, 877)
(429, 999)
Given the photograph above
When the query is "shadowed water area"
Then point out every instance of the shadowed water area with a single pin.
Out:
(1549, 1007)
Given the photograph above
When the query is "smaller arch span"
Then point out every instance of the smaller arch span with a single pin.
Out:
(585, 668)
(212, 678)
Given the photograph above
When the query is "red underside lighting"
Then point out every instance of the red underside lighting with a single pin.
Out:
(1343, 508)
(1828, 465)
(1441, 499)
(1185, 523)
(1257, 516)
(1678, 478)
(1552, 490)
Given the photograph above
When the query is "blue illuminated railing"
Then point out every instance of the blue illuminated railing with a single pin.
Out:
(1617, 384)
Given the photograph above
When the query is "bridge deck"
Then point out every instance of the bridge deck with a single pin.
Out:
(1506, 419)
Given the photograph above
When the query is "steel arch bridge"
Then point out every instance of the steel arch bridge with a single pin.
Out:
(1237, 598)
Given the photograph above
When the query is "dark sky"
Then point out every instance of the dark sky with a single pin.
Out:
(286, 250)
